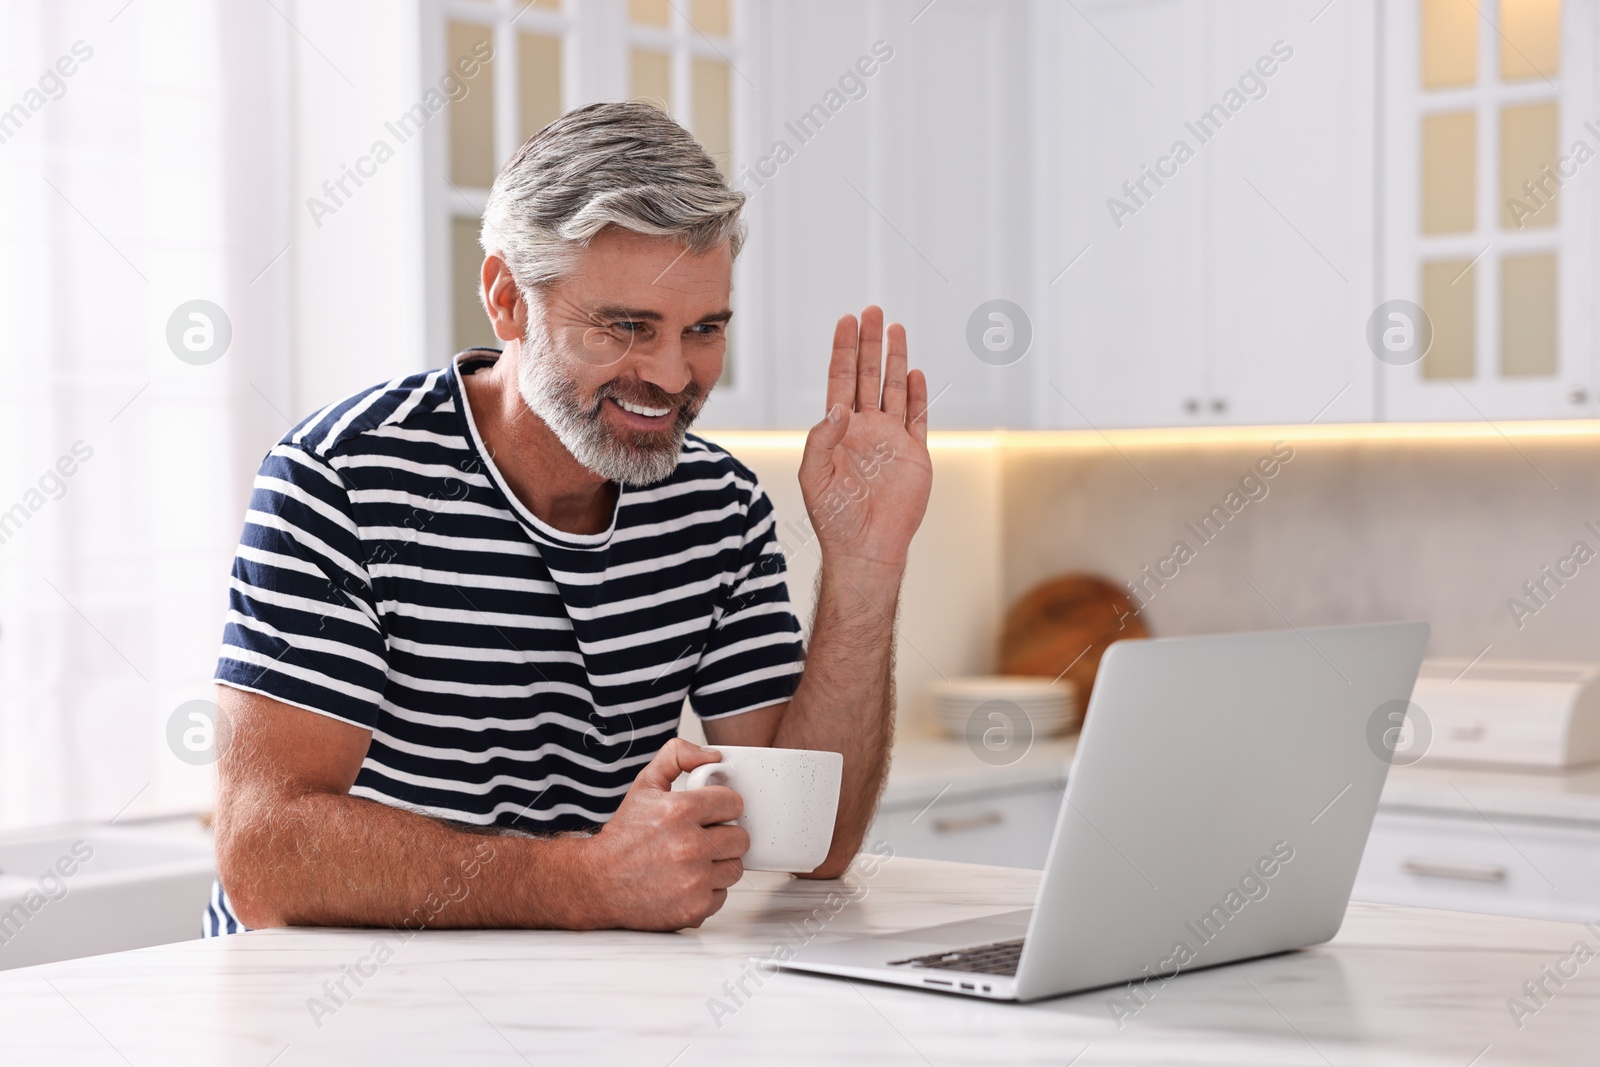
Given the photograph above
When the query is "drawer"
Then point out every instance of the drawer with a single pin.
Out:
(1515, 867)
(1003, 828)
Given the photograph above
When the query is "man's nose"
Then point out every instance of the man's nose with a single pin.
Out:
(665, 366)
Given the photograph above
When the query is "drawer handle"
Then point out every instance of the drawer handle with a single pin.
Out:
(1460, 871)
(970, 822)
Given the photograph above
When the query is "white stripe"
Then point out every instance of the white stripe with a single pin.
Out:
(410, 466)
(304, 674)
(651, 565)
(649, 600)
(520, 691)
(434, 504)
(748, 644)
(307, 643)
(319, 608)
(450, 441)
(294, 492)
(477, 723)
(694, 485)
(316, 420)
(520, 547)
(278, 561)
(316, 544)
(409, 404)
(304, 459)
(769, 608)
(355, 411)
(782, 670)
(478, 654)
(473, 617)
(435, 576)
(696, 625)
(473, 757)
(674, 525)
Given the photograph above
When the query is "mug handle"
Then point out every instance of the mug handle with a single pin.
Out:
(701, 776)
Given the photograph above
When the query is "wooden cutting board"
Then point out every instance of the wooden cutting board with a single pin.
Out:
(1066, 624)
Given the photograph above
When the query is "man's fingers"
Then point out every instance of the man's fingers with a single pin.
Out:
(842, 364)
(917, 405)
(675, 757)
(711, 804)
(869, 359)
(725, 873)
(894, 372)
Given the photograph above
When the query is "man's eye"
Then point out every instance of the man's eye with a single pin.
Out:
(707, 329)
(628, 327)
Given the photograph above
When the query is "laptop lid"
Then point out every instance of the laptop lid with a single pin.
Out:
(1219, 802)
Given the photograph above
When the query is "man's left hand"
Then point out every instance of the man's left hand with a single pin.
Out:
(865, 473)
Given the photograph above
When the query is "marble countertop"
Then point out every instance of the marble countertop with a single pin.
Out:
(1398, 985)
(925, 763)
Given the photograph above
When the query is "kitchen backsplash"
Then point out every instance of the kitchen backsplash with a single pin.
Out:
(1240, 530)
(1486, 537)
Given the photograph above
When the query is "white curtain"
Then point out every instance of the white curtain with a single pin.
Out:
(144, 163)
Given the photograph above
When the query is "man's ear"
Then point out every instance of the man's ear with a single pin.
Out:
(503, 300)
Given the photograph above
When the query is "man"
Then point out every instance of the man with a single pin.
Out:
(474, 600)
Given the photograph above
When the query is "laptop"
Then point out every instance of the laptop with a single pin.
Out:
(1216, 810)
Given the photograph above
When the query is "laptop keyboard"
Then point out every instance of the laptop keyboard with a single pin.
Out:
(998, 958)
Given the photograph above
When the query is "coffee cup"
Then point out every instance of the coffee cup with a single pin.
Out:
(791, 797)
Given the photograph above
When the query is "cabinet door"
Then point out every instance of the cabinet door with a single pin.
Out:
(1513, 867)
(1125, 320)
(1490, 216)
(810, 231)
(1004, 829)
(1289, 219)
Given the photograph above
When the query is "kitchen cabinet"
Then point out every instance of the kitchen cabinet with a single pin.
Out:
(1002, 828)
(1445, 836)
(912, 195)
(1505, 277)
(1216, 163)
(1533, 869)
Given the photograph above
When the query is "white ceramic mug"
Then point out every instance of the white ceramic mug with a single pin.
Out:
(791, 797)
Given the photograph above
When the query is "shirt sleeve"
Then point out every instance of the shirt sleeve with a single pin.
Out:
(302, 625)
(755, 655)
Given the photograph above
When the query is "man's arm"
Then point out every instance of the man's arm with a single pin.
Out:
(293, 848)
(865, 476)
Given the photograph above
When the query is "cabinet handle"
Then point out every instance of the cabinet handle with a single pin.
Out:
(1579, 395)
(970, 822)
(1191, 405)
(1219, 405)
(1464, 872)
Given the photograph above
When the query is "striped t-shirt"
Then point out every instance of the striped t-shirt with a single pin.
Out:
(511, 674)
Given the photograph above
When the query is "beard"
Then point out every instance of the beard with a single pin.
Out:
(628, 457)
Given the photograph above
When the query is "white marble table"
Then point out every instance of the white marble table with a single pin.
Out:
(1398, 986)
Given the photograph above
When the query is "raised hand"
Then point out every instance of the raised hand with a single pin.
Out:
(865, 473)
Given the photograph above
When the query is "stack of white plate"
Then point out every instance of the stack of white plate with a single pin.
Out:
(1049, 708)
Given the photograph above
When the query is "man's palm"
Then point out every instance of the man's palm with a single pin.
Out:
(866, 473)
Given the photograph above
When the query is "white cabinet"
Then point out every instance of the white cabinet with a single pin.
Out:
(1002, 827)
(1507, 277)
(911, 194)
(1533, 869)
(1216, 163)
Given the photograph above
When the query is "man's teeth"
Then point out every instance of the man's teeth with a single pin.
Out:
(640, 409)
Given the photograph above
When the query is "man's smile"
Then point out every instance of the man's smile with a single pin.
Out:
(642, 416)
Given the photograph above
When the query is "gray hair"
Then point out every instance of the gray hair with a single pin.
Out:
(622, 164)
